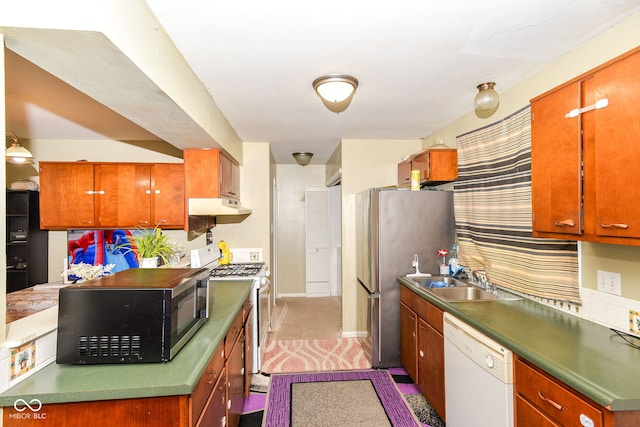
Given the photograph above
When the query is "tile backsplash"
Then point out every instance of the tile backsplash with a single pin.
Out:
(603, 308)
(610, 310)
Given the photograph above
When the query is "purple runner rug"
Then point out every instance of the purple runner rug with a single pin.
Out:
(278, 410)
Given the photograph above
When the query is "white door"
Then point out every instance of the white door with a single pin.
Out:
(335, 239)
(317, 242)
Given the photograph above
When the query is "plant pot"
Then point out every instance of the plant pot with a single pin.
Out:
(149, 262)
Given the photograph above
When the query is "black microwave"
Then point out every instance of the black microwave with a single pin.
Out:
(140, 315)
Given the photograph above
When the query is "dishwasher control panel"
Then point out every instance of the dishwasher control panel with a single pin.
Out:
(482, 350)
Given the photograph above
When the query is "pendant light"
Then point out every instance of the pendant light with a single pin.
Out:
(17, 154)
(487, 100)
(335, 90)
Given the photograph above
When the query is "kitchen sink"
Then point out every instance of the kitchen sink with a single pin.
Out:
(455, 290)
(436, 282)
(463, 293)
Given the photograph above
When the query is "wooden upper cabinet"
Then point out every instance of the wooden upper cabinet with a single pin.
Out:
(404, 173)
(617, 149)
(584, 155)
(111, 195)
(439, 165)
(229, 177)
(167, 207)
(210, 173)
(556, 171)
(123, 196)
(436, 167)
(66, 195)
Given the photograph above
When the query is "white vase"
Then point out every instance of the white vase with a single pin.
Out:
(149, 262)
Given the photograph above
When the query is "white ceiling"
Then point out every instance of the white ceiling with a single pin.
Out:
(418, 63)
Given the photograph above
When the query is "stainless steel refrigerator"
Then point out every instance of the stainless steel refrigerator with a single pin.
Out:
(392, 227)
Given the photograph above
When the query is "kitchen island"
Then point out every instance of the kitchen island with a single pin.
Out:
(171, 384)
(587, 357)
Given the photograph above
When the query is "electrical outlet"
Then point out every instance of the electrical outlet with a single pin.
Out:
(609, 282)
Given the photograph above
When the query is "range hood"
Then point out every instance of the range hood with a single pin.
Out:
(216, 207)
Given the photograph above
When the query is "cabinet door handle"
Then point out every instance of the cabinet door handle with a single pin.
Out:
(157, 191)
(601, 103)
(551, 402)
(565, 223)
(213, 374)
(619, 225)
(95, 192)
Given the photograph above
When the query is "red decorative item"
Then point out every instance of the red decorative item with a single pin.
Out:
(443, 253)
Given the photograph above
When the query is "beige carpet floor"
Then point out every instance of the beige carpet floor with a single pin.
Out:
(306, 318)
(306, 337)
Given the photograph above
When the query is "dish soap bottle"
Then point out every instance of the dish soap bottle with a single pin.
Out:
(224, 252)
(453, 259)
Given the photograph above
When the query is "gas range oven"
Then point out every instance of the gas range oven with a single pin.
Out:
(241, 270)
(260, 300)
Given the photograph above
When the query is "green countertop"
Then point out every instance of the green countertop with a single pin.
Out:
(73, 383)
(588, 357)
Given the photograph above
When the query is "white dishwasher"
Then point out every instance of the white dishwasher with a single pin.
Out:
(478, 378)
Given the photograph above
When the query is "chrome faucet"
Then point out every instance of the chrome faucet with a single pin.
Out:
(478, 277)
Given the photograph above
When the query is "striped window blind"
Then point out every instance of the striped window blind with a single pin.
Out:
(492, 199)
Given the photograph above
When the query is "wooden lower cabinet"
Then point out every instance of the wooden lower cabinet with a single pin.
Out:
(140, 412)
(215, 413)
(200, 398)
(542, 400)
(422, 347)
(235, 382)
(431, 366)
(216, 401)
(408, 341)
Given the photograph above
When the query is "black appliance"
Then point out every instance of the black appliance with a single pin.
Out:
(138, 315)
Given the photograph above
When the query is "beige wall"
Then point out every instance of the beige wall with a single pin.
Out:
(617, 40)
(290, 228)
(365, 164)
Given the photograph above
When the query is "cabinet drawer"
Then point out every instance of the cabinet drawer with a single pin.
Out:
(405, 296)
(527, 415)
(553, 398)
(423, 308)
(234, 332)
(435, 317)
(207, 381)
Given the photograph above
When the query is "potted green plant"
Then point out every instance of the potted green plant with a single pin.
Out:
(151, 245)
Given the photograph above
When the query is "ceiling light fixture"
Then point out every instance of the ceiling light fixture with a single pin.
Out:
(302, 158)
(336, 91)
(487, 100)
(17, 154)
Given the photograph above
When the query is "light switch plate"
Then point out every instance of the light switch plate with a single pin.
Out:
(609, 282)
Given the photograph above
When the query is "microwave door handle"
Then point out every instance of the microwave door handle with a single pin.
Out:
(204, 286)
